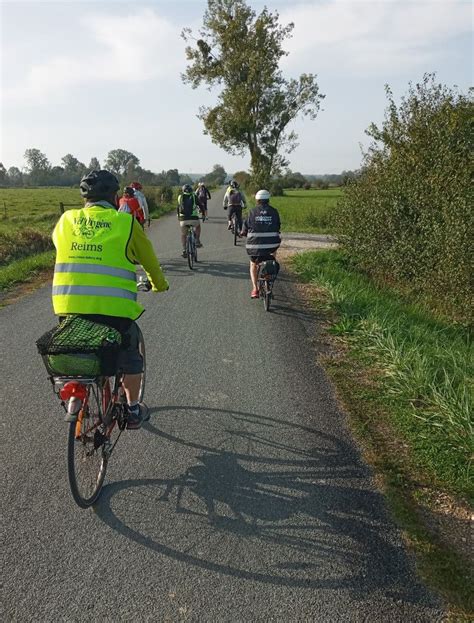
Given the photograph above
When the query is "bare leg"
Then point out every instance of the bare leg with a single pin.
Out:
(254, 274)
(131, 385)
(198, 232)
(184, 233)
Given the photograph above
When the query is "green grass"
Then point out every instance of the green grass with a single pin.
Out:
(22, 270)
(34, 207)
(27, 218)
(404, 376)
(424, 366)
(307, 211)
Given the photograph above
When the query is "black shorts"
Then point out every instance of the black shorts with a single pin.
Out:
(130, 360)
(256, 259)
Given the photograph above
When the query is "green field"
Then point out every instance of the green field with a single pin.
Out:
(27, 218)
(307, 211)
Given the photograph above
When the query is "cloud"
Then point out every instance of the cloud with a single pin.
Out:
(365, 36)
(119, 49)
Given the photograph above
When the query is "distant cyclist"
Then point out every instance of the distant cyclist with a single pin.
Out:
(234, 200)
(203, 195)
(138, 188)
(129, 204)
(262, 228)
(188, 214)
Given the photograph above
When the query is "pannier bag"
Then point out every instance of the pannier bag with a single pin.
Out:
(269, 267)
(80, 347)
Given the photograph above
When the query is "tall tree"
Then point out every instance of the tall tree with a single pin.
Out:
(240, 51)
(15, 176)
(37, 165)
(3, 175)
(94, 164)
(216, 176)
(119, 161)
(71, 164)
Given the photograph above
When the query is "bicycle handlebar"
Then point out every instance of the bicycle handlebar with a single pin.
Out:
(144, 285)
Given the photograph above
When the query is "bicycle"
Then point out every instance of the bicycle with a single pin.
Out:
(191, 249)
(96, 411)
(202, 213)
(267, 274)
(234, 228)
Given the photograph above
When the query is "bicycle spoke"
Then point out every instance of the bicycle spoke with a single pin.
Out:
(87, 462)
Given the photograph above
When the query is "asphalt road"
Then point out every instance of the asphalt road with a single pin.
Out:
(243, 499)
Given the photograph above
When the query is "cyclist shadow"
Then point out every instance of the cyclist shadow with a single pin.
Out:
(289, 514)
(179, 268)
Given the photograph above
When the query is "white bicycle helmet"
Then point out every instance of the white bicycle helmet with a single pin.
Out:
(262, 195)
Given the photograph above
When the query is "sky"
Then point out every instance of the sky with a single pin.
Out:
(85, 77)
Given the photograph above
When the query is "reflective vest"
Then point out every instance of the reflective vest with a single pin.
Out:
(93, 274)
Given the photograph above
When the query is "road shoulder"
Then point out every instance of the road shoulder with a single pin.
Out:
(435, 526)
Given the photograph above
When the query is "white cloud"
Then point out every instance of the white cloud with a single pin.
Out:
(119, 49)
(373, 36)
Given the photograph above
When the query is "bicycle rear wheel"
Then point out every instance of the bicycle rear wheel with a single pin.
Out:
(86, 458)
(267, 294)
(235, 229)
(190, 250)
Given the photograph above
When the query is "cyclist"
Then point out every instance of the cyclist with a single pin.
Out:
(188, 214)
(234, 199)
(203, 195)
(262, 228)
(97, 248)
(129, 203)
(138, 188)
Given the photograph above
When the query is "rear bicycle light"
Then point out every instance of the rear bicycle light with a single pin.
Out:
(73, 389)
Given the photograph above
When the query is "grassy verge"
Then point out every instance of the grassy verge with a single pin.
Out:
(404, 379)
(22, 270)
(27, 218)
(307, 211)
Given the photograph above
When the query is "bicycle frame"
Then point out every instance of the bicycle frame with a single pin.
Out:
(191, 246)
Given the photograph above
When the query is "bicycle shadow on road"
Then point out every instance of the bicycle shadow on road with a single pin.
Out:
(179, 268)
(267, 500)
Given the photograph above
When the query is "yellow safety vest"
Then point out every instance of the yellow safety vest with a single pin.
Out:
(93, 274)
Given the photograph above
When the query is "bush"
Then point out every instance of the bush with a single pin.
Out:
(17, 244)
(407, 218)
(276, 189)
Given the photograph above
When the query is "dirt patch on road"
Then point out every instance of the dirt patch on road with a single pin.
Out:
(298, 243)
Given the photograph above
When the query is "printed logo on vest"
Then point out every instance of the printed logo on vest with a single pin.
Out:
(87, 227)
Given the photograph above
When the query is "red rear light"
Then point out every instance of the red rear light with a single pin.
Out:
(73, 388)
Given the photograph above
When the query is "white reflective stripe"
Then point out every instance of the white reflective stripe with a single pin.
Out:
(95, 269)
(94, 291)
(263, 234)
(262, 246)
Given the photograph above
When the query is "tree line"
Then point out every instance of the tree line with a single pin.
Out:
(39, 171)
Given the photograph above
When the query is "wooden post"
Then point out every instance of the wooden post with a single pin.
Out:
(61, 207)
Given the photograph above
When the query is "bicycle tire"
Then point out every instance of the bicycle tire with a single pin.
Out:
(267, 292)
(141, 348)
(190, 251)
(87, 465)
(234, 229)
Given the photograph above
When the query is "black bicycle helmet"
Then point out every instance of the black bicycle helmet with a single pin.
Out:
(128, 190)
(234, 184)
(98, 185)
(187, 188)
